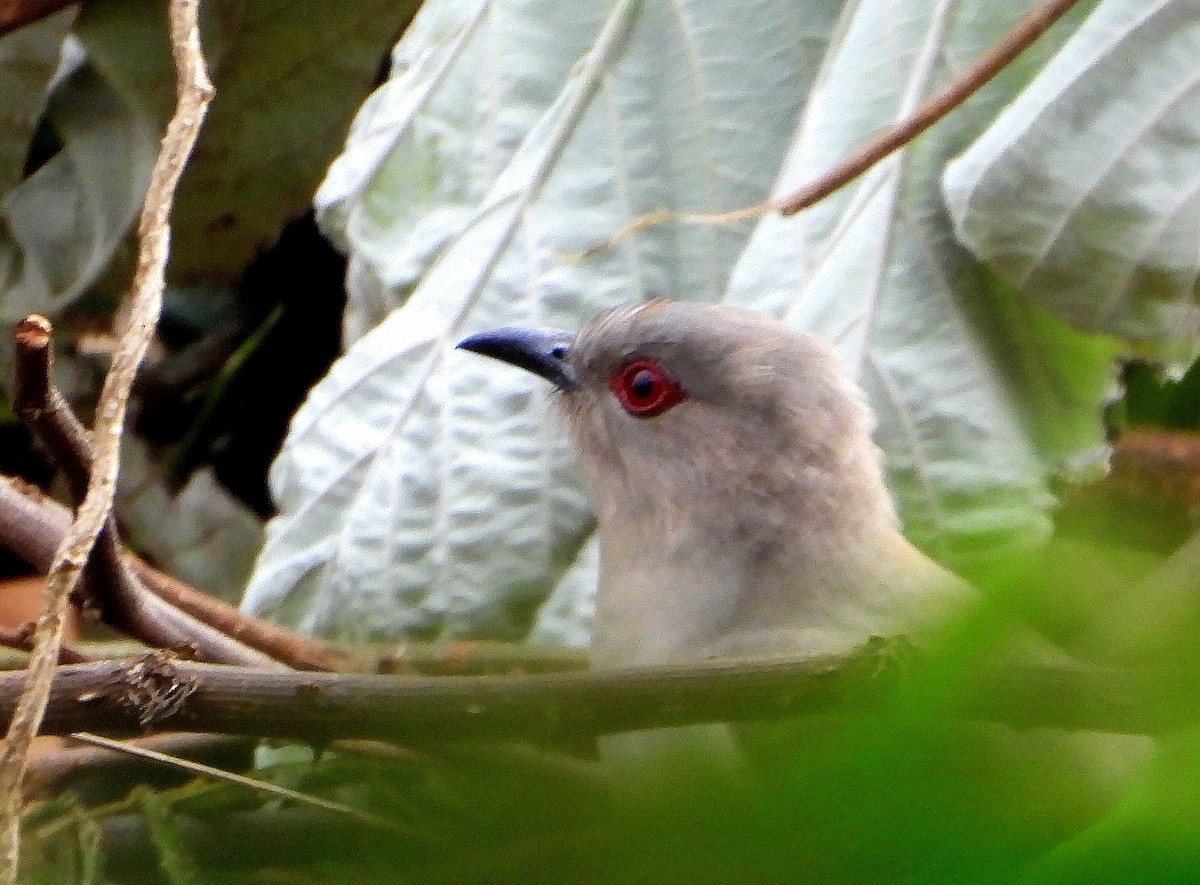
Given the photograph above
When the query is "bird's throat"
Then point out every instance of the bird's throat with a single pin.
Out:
(694, 597)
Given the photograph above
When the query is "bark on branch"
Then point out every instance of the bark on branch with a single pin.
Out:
(154, 693)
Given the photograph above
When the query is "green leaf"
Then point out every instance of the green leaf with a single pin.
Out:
(174, 858)
(29, 57)
(63, 224)
(288, 78)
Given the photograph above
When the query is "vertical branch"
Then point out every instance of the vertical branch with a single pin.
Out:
(194, 92)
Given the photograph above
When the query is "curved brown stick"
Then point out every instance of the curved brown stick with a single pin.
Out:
(891, 139)
(298, 652)
(32, 526)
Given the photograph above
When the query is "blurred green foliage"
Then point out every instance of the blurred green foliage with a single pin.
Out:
(1152, 398)
(904, 794)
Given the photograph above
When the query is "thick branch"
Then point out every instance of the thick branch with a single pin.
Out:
(31, 525)
(155, 693)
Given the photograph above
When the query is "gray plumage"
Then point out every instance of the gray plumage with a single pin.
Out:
(752, 515)
(742, 511)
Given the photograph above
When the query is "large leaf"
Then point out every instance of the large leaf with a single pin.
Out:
(288, 75)
(63, 224)
(966, 383)
(58, 228)
(422, 490)
(29, 57)
(1085, 193)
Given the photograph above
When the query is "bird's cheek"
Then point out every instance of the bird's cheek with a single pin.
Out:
(592, 434)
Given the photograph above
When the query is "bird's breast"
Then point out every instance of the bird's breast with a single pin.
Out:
(681, 593)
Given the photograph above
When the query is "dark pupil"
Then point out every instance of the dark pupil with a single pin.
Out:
(642, 385)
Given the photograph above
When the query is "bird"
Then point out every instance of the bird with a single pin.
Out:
(742, 511)
(740, 498)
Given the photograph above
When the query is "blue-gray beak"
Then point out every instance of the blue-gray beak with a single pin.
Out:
(541, 351)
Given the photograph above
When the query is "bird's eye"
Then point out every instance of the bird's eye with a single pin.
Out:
(644, 390)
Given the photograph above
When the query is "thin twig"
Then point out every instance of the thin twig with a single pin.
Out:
(298, 652)
(966, 84)
(269, 789)
(887, 142)
(194, 94)
(32, 526)
(101, 773)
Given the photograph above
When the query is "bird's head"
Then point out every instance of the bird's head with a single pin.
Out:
(707, 413)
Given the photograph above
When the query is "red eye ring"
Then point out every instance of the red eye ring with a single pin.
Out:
(644, 390)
